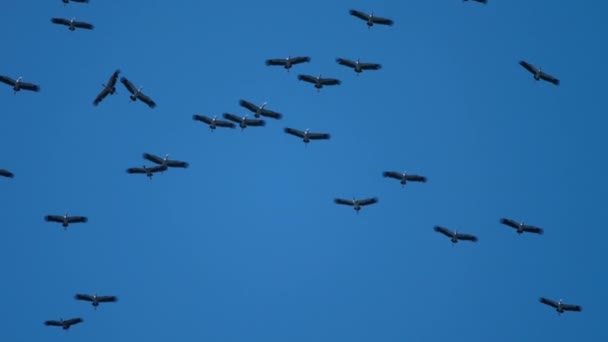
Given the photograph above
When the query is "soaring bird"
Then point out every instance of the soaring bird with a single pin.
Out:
(65, 2)
(454, 236)
(481, 1)
(95, 299)
(65, 220)
(18, 84)
(6, 173)
(109, 88)
(521, 227)
(148, 171)
(306, 135)
(166, 162)
(72, 24)
(288, 62)
(538, 73)
(358, 66)
(404, 177)
(371, 19)
(136, 93)
(65, 324)
(213, 122)
(318, 81)
(559, 306)
(260, 110)
(244, 122)
(356, 203)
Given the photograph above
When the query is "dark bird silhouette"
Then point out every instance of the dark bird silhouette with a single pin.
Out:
(538, 73)
(306, 135)
(213, 122)
(244, 122)
(65, 324)
(18, 84)
(404, 177)
(288, 62)
(319, 81)
(358, 66)
(166, 162)
(136, 93)
(65, 2)
(371, 19)
(260, 110)
(108, 89)
(521, 227)
(95, 299)
(6, 173)
(559, 306)
(72, 24)
(65, 220)
(356, 203)
(454, 236)
(148, 171)
(481, 1)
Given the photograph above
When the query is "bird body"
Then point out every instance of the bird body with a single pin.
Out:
(95, 299)
(455, 236)
(18, 84)
(72, 24)
(319, 81)
(559, 306)
(357, 65)
(404, 177)
(65, 220)
(356, 203)
(165, 161)
(148, 171)
(65, 324)
(371, 19)
(521, 227)
(538, 73)
(243, 121)
(288, 62)
(213, 122)
(136, 93)
(108, 89)
(260, 110)
(306, 135)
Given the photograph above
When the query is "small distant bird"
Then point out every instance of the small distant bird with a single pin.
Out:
(318, 81)
(18, 85)
(559, 306)
(148, 171)
(213, 122)
(244, 122)
(95, 299)
(539, 74)
(404, 177)
(307, 136)
(288, 62)
(356, 203)
(481, 1)
(358, 66)
(65, 324)
(260, 110)
(371, 19)
(72, 24)
(521, 227)
(6, 173)
(136, 93)
(65, 2)
(166, 162)
(65, 220)
(454, 236)
(109, 88)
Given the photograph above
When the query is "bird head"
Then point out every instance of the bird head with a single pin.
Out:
(306, 131)
(19, 79)
(214, 118)
(166, 156)
(72, 20)
(263, 104)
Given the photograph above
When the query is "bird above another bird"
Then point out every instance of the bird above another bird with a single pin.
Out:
(559, 306)
(319, 81)
(357, 65)
(521, 227)
(165, 162)
(356, 203)
(404, 177)
(454, 236)
(65, 220)
(288, 62)
(371, 19)
(18, 84)
(213, 122)
(72, 24)
(108, 89)
(260, 110)
(538, 73)
(136, 93)
(65, 324)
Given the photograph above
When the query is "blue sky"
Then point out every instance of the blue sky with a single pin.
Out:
(246, 244)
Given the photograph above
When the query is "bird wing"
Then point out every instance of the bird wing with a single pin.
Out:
(29, 86)
(382, 21)
(319, 136)
(153, 158)
(136, 170)
(370, 66)
(7, 80)
(368, 201)
(548, 302)
(113, 79)
(299, 59)
(271, 113)
(222, 123)
(346, 62)
(330, 81)
(82, 1)
(86, 297)
(248, 105)
(531, 68)
(359, 14)
(102, 95)
(343, 201)
(130, 87)
(147, 100)
(84, 25)
(444, 231)
(392, 174)
(177, 163)
(307, 78)
(254, 122)
(53, 323)
(157, 168)
(533, 229)
(60, 21)
(572, 307)
(466, 237)
(53, 218)
(107, 299)
(232, 117)
(549, 78)
(202, 118)
(415, 178)
(294, 131)
(73, 321)
(509, 222)
(6, 173)
(77, 219)
(276, 61)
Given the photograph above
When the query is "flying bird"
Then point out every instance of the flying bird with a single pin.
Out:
(318, 81)
(213, 122)
(454, 236)
(6, 173)
(166, 162)
(538, 73)
(356, 203)
(260, 110)
(244, 122)
(521, 227)
(65, 2)
(18, 85)
(288, 62)
(358, 66)
(65, 324)
(136, 93)
(148, 171)
(371, 19)
(306, 135)
(481, 1)
(72, 24)
(65, 220)
(95, 299)
(404, 177)
(109, 88)
(559, 306)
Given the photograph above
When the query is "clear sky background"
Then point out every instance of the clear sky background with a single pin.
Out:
(246, 244)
